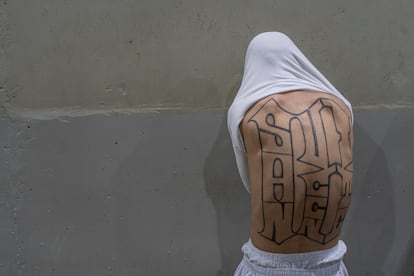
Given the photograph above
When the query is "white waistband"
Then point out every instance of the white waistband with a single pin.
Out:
(309, 260)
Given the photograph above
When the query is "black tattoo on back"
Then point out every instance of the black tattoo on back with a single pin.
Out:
(306, 170)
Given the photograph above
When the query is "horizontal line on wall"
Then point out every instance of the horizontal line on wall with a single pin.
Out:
(391, 106)
(56, 113)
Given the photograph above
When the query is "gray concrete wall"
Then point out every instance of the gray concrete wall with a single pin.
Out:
(100, 55)
(159, 194)
(114, 151)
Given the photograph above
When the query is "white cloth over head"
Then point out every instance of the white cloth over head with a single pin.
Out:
(273, 64)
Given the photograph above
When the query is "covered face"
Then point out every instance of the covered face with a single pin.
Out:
(273, 64)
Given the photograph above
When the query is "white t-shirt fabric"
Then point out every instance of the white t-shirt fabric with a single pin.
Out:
(273, 64)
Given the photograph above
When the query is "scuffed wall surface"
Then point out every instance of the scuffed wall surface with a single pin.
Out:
(119, 195)
(5, 95)
(159, 194)
(148, 185)
(99, 55)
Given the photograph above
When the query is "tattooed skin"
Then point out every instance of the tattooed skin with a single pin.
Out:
(303, 181)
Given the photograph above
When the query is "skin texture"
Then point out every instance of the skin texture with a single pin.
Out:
(299, 151)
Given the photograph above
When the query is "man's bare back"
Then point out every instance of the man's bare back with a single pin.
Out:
(299, 151)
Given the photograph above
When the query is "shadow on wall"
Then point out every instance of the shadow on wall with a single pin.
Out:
(371, 225)
(407, 267)
(230, 199)
(226, 192)
(399, 140)
(164, 222)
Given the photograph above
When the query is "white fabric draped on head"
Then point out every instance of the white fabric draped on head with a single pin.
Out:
(273, 64)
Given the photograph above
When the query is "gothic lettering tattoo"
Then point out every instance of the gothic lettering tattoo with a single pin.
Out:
(306, 170)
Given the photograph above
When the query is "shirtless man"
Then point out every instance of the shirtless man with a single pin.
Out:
(296, 146)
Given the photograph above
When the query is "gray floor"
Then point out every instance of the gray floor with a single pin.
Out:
(159, 194)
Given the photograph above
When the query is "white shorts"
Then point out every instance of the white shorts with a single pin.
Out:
(327, 262)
